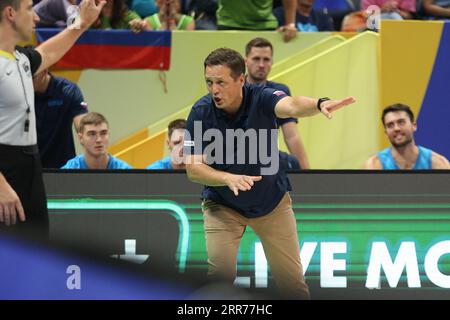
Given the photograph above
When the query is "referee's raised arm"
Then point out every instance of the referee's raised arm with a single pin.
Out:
(22, 191)
(56, 47)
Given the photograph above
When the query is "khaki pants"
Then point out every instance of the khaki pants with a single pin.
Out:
(224, 228)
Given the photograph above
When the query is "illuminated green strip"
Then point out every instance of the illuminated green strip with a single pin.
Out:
(373, 205)
(92, 204)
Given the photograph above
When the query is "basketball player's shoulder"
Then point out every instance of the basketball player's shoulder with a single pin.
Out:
(439, 161)
(373, 163)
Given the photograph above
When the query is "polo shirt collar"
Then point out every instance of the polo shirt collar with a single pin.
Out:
(7, 55)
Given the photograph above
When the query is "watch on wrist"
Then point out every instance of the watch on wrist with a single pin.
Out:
(319, 102)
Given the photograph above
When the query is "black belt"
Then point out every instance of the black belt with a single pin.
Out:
(26, 149)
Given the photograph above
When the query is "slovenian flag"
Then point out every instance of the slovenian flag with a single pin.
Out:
(115, 49)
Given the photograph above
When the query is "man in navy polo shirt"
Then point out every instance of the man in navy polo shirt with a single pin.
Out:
(59, 103)
(231, 148)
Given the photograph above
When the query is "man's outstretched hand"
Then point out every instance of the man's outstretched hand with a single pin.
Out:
(329, 106)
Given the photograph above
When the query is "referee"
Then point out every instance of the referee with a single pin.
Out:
(22, 195)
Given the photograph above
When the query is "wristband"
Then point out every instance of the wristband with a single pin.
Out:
(319, 102)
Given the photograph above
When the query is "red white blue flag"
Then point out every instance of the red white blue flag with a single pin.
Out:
(115, 49)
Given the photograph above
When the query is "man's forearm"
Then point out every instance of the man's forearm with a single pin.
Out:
(435, 10)
(204, 174)
(290, 7)
(304, 107)
(56, 47)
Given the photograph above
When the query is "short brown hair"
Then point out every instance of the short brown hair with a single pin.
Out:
(258, 43)
(229, 58)
(94, 118)
(398, 107)
(176, 124)
(5, 3)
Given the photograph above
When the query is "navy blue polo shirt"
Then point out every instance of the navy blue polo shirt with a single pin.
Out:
(257, 112)
(55, 110)
(284, 88)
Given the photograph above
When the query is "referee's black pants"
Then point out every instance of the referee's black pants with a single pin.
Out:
(22, 168)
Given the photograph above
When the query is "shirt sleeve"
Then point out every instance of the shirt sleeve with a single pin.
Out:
(281, 121)
(125, 165)
(155, 165)
(269, 98)
(33, 56)
(77, 104)
(71, 164)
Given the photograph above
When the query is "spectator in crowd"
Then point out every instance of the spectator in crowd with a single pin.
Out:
(307, 19)
(58, 103)
(204, 12)
(143, 8)
(399, 126)
(259, 59)
(392, 9)
(53, 13)
(169, 17)
(175, 140)
(94, 137)
(437, 9)
(256, 15)
(355, 22)
(116, 15)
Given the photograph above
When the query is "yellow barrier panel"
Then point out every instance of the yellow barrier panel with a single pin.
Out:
(129, 141)
(306, 54)
(346, 35)
(350, 68)
(145, 152)
(408, 51)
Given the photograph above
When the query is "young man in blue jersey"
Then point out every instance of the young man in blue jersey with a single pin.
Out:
(242, 188)
(94, 137)
(175, 140)
(399, 126)
(259, 60)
